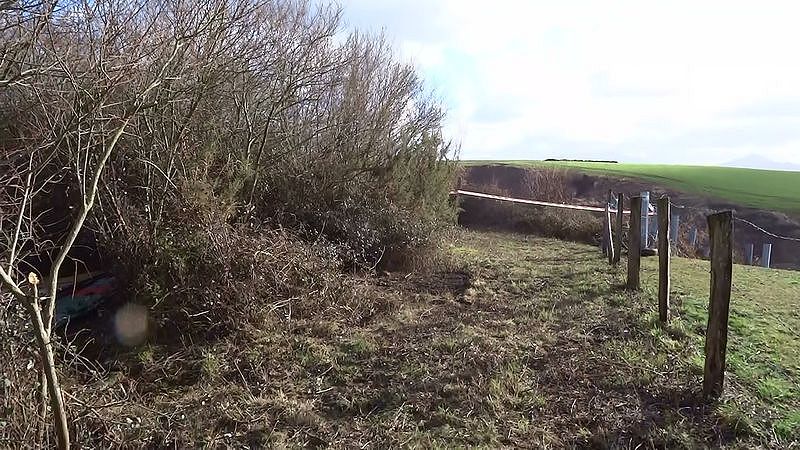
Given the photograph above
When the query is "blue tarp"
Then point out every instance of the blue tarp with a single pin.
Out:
(79, 299)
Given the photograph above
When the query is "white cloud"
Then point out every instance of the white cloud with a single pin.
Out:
(661, 81)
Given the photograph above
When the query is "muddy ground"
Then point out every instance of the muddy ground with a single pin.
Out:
(592, 189)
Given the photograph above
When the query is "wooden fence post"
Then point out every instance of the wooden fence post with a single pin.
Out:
(664, 237)
(720, 228)
(618, 231)
(635, 244)
(609, 235)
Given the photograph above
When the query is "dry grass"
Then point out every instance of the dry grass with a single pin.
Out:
(512, 341)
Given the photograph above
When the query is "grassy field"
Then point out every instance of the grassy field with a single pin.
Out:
(764, 189)
(763, 342)
(604, 348)
(510, 341)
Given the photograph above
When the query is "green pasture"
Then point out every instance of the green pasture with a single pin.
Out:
(763, 189)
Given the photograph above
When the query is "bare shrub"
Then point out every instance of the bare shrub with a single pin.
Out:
(212, 278)
(19, 400)
(230, 157)
(549, 185)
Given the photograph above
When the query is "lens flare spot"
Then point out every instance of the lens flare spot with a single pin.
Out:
(130, 324)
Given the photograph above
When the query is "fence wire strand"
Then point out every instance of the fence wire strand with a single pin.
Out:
(739, 219)
(613, 210)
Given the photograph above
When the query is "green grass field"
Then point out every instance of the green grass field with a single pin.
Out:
(613, 347)
(763, 340)
(764, 189)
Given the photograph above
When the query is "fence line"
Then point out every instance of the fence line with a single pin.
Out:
(721, 235)
(598, 209)
(541, 203)
(785, 238)
(738, 219)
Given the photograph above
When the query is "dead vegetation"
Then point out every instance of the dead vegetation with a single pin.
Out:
(228, 163)
(550, 185)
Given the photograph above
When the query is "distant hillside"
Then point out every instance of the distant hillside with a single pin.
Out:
(760, 162)
(763, 189)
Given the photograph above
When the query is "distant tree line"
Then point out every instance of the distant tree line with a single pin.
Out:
(584, 160)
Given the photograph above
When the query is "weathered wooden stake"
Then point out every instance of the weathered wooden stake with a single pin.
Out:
(609, 235)
(720, 228)
(749, 253)
(664, 237)
(635, 244)
(766, 255)
(693, 237)
(618, 231)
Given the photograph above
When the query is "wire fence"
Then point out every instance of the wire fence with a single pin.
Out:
(613, 209)
(739, 219)
(598, 209)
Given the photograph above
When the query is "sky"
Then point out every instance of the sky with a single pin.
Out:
(679, 82)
